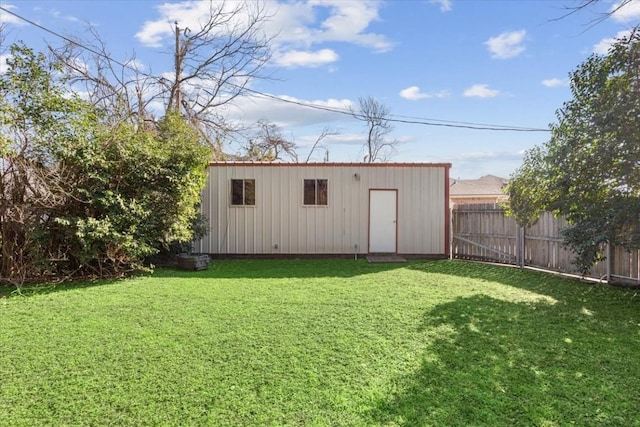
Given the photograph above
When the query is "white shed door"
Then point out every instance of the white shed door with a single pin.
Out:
(382, 221)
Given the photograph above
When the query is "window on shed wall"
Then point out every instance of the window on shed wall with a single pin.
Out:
(316, 192)
(243, 192)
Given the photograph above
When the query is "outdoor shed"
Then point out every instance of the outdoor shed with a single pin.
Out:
(326, 209)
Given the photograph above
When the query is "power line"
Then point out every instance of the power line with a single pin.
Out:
(468, 123)
(393, 118)
(80, 45)
(406, 120)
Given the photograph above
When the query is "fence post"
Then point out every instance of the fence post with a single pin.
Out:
(520, 242)
(608, 262)
(451, 230)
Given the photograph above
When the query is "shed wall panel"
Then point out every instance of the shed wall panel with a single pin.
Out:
(279, 223)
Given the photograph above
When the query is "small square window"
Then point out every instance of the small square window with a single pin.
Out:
(316, 192)
(243, 192)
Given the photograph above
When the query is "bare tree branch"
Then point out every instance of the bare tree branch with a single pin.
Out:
(324, 134)
(376, 117)
(218, 60)
(586, 5)
(269, 145)
(125, 92)
(214, 65)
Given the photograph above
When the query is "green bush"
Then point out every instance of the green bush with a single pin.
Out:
(99, 197)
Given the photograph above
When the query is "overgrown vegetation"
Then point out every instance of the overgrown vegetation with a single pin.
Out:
(323, 343)
(93, 185)
(589, 171)
(216, 59)
(80, 194)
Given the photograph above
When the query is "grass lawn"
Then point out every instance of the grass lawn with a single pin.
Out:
(323, 343)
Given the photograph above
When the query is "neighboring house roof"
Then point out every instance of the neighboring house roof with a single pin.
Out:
(487, 186)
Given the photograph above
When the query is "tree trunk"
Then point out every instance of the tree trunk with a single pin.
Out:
(12, 250)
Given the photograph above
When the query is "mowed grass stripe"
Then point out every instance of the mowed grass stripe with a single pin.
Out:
(323, 342)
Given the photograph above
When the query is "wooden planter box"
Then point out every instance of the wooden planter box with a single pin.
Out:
(193, 262)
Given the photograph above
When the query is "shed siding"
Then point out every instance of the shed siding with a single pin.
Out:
(280, 218)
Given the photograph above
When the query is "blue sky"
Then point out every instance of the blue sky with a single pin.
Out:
(473, 61)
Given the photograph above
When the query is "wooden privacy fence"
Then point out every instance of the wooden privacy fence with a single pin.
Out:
(484, 232)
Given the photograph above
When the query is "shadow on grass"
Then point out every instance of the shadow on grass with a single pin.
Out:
(544, 283)
(229, 269)
(48, 288)
(289, 268)
(495, 362)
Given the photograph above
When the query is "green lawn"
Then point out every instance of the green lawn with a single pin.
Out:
(323, 343)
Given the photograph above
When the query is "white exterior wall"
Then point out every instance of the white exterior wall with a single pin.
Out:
(280, 218)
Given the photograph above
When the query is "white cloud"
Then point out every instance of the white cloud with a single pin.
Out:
(58, 15)
(135, 64)
(307, 141)
(298, 58)
(602, 47)
(191, 14)
(7, 18)
(626, 12)
(413, 93)
(481, 91)
(3, 64)
(294, 26)
(291, 23)
(153, 32)
(80, 65)
(348, 22)
(286, 111)
(445, 5)
(506, 45)
(555, 82)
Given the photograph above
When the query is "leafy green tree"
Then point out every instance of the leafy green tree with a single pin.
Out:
(38, 121)
(79, 195)
(589, 170)
(143, 189)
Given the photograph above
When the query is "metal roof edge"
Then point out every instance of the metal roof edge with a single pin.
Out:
(332, 164)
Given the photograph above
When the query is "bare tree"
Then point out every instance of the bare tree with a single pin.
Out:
(213, 65)
(585, 5)
(326, 132)
(118, 87)
(269, 145)
(3, 29)
(376, 117)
